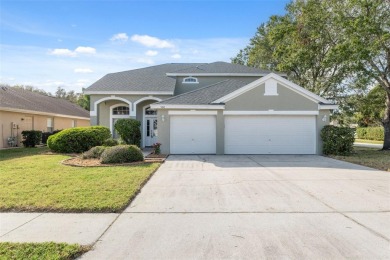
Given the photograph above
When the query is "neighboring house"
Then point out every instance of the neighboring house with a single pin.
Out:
(25, 110)
(213, 108)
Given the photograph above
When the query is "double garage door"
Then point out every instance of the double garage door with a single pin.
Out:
(244, 135)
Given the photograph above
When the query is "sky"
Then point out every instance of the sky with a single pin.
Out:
(73, 43)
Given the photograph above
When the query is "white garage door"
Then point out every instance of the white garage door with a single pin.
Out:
(270, 135)
(193, 134)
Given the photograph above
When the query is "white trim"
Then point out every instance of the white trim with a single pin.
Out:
(192, 112)
(280, 80)
(271, 112)
(330, 107)
(16, 110)
(220, 74)
(134, 110)
(190, 77)
(91, 92)
(117, 116)
(97, 102)
(168, 106)
(92, 113)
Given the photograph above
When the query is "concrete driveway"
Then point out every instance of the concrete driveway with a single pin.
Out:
(251, 207)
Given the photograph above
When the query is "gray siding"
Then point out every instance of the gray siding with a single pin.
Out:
(254, 100)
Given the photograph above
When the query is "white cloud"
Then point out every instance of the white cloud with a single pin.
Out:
(85, 50)
(70, 53)
(151, 53)
(119, 37)
(82, 70)
(62, 52)
(150, 41)
(176, 56)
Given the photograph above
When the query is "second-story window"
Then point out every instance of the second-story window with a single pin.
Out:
(190, 80)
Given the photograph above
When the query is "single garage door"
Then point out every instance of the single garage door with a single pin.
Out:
(270, 135)
(193, 134)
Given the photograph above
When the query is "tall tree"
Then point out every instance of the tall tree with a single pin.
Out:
(366, 27)
(328, 46)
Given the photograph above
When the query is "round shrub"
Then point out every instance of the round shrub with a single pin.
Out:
(78, 139)
(129, 131)
(337, 140)
(122, 154)
(110, 142)
(94, 152)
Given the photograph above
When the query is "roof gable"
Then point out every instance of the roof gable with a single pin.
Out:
(270, 77)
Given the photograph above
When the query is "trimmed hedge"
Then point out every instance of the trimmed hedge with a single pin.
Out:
(45, 135)
(110, 142)
(337, 140)
(31, 138)
(78, 139)
(371, 133)
(94, 152)
(129, 131)
(122, 154)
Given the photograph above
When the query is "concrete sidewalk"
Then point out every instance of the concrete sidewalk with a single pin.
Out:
(84, 229)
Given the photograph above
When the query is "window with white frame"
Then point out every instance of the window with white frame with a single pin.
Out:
(122, 110)
(73, 123)
(50, 125)
(190, 80)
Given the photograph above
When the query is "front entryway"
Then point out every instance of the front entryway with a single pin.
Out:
(150, 130)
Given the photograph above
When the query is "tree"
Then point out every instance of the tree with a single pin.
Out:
(302, 44)
(370, 109)
(328, 47)
(366, 26)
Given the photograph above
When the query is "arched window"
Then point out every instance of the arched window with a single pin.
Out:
(150, 112)
(190, 80)
(122, 110)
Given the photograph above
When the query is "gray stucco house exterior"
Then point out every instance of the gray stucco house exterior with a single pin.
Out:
(213, 108)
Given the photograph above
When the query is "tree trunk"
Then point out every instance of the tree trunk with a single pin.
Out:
(386, 123)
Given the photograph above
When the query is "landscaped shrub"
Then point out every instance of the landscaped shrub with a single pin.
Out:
(122, 154)
(370, 133)
(45, 135)
(129, 131)
(78, 139)
(110, 142)
(31, 138)
(94, 152)
(337, 140)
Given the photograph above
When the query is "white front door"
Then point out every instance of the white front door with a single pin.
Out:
(150, 131)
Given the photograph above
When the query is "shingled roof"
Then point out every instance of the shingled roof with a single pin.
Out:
(221, 67)
(20, 99)
(145, 79)
(159, 78)
(206, 95)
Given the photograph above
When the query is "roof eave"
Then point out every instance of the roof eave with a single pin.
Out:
(108, 92)
(181, 106)
(220, 74)
(26, 111)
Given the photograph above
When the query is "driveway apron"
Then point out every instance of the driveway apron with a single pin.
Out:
(254, 206)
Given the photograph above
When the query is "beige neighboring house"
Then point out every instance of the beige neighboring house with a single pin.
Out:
(25, 110)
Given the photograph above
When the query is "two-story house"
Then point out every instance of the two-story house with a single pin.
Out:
(212, 108)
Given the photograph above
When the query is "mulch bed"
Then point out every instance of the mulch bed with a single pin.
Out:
(79, 162)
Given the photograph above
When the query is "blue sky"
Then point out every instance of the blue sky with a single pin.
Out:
(74, 43)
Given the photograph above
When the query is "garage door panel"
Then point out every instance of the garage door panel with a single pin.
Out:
(270, 135)
(193, 134)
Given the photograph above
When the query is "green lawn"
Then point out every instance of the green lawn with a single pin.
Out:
(40, 182)
(371, 157)
(368, 141)
(40, 251)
